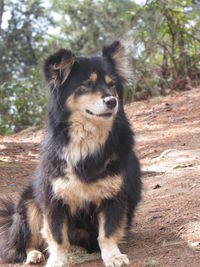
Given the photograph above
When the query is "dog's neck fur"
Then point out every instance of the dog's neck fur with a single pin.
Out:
(86, 137)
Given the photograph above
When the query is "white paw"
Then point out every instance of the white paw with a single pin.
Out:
(117, 260)
(34, 257)
(57, 262)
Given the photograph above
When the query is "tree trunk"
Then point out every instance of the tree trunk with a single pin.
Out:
(1, 11)
(175, 72)
(164, 63)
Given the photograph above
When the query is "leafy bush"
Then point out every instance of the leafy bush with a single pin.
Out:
(22, 103)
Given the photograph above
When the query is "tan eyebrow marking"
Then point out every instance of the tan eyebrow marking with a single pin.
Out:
(108, 79)
(93, 77)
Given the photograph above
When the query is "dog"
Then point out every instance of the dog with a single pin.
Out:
(87, 185)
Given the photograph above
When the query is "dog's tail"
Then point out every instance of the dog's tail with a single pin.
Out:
(14, 232)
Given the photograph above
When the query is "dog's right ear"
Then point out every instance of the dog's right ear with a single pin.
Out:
(57, 67)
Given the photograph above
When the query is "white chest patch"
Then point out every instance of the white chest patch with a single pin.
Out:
(76, 193)
(85, 138)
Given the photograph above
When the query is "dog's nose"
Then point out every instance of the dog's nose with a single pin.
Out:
(110, 102)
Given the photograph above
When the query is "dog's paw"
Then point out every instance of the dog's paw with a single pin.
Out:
(34, 257)
(117, 260)
(57, 262)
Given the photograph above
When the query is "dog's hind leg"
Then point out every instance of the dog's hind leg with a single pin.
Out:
(34, 256)
(55, 233)
(111, 231)
(18, 224)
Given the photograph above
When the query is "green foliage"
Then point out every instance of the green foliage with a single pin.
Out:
(164, 39)
(167, 37)
(22, 43)
(22, 47)
(87, 25)
(22, 104)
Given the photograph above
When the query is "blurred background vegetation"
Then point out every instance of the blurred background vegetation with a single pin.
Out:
(164, 37)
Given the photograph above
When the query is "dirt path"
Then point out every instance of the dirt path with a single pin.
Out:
(166, 230)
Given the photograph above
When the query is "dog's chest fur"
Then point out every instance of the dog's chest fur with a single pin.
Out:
(76, 193)
(86, 138)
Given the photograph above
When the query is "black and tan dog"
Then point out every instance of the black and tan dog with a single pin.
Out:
(87, 184)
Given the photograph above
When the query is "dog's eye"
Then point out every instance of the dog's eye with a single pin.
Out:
(111, 84)
(88, 83)
(81, 90)
(112, 88)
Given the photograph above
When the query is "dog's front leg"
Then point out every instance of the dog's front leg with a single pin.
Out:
(56, 235)
(111, 231)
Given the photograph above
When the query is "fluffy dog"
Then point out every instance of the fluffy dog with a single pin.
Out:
(87, 185)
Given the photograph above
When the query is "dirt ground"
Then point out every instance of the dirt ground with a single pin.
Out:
(166, 229)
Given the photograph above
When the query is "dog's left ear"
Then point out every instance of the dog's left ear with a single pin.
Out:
(117, 52)
(57, 67)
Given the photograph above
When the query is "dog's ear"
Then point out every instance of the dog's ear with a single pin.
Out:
(57, 67)
(118, 52)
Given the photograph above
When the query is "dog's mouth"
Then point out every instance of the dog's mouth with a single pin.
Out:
(106, 114)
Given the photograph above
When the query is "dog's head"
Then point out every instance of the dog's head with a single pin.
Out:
(90, 86)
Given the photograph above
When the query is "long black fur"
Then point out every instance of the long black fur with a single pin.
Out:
(15, 231)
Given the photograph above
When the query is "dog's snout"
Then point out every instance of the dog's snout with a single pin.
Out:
(110, 102)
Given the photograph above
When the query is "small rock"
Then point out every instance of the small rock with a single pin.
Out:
(162, 228)
(157, 186)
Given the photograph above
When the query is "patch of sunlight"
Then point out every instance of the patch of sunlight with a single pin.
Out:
(191, 233)
(5, 158)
